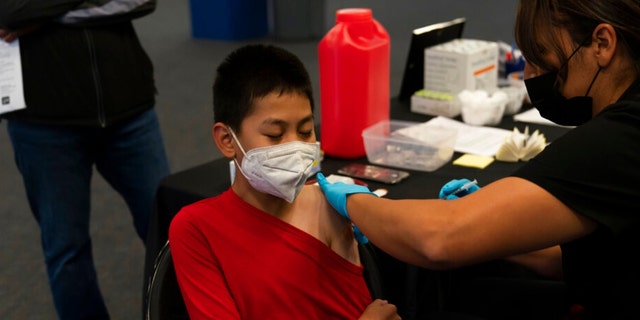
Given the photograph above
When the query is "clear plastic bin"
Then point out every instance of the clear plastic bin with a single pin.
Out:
(409, 145)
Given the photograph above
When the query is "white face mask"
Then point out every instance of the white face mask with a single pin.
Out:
(280, 170)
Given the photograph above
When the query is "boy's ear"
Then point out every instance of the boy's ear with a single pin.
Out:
(223, 139)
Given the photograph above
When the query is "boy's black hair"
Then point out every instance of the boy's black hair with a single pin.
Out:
(252, 72)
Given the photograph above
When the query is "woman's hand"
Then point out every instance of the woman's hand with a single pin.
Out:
(380, 310)
(9, 36)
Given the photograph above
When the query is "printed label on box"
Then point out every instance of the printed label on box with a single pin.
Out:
(461, 64)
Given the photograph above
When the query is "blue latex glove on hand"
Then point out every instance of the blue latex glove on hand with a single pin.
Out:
(457, 188)
(336, 193)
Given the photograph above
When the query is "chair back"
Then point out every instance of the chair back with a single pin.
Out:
(372, 272)
(164, 300)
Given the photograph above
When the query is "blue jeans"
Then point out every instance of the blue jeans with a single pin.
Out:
(56, 163)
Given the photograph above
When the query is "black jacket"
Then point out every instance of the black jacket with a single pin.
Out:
(84, 65)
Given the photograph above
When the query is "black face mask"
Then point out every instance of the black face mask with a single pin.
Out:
(553, 106)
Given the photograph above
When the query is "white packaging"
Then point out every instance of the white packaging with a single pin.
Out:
(425, 104)
(461, 64)
(481, 109)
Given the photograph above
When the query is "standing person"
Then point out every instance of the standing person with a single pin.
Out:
(89, 90)
(581, 192)
(270, 247)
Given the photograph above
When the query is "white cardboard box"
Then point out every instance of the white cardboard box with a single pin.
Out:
(461, 64)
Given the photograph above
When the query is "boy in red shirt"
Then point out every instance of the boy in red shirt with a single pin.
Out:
(270, 247)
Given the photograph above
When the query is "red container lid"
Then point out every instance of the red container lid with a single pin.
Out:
(353, 14)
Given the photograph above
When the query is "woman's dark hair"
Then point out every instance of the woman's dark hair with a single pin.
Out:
(537, 19)
(252, 72)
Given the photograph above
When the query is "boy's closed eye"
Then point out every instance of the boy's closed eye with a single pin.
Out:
(306, 134)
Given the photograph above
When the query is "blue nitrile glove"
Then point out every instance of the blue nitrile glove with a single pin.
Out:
(336, 193)
(458, 188)
(360, 237)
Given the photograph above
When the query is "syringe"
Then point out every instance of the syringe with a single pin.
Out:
(464, 187)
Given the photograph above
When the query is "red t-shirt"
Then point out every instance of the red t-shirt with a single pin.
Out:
(234, 261)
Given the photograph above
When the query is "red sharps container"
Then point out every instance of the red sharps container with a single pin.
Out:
(354, 59)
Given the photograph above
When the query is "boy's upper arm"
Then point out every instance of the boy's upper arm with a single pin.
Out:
(201, 281)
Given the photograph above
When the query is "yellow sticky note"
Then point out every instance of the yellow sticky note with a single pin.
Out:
(474, 161)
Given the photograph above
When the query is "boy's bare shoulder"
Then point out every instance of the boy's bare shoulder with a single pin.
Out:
(326, 213)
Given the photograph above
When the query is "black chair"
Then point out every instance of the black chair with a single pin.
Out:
(164, 301)
(372, 272)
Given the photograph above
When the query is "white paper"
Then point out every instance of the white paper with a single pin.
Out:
(484, 141)
(533, 116)
(11, 92)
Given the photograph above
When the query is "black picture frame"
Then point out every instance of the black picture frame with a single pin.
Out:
(422, 38)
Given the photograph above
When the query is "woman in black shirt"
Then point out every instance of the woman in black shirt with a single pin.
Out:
(580, 193)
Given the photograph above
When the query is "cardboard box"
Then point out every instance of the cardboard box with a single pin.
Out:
(461, 64)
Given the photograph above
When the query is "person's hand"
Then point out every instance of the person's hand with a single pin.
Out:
(336, 193)
(9, 36)
(380, 310)
(457, 188)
